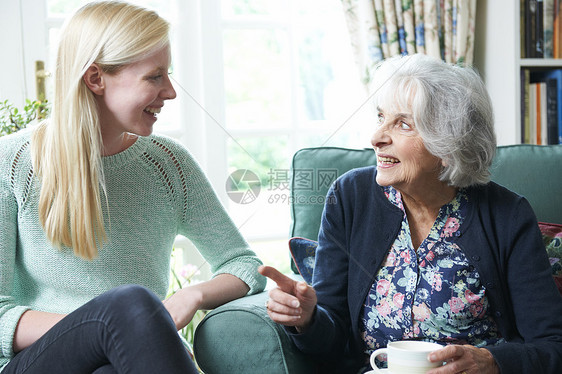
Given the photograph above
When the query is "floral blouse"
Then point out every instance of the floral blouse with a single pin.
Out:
(431, 294)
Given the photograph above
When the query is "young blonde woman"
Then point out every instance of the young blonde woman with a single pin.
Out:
(90, 204)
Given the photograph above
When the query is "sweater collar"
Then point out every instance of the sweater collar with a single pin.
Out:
(132, 153)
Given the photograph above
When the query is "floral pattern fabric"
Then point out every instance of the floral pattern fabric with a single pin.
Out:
(432, 293)
(383, 28)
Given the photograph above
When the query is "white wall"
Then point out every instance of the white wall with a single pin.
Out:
(23, 42)
(496, 57)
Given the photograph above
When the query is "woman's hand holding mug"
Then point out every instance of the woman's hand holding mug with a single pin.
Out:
(406, 357)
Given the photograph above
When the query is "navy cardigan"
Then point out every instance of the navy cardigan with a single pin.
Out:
(500, 237)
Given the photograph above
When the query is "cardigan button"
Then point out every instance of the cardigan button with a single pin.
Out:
(476, 258)
(490, 285)
(498, 314)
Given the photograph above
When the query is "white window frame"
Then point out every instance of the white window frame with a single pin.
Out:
(197, 47)
(24, 41)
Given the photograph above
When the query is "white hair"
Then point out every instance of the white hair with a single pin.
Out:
(451, 110)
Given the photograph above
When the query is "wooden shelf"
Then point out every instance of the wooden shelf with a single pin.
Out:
(541, 62)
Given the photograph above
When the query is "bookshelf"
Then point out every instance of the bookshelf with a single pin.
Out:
(540, 63)
(497, 56)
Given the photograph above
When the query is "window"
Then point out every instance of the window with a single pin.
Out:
(289, 82)
(256, 81)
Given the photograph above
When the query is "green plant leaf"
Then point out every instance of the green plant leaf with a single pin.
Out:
(13, 119)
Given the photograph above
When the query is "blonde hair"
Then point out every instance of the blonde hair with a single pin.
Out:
(67, 149)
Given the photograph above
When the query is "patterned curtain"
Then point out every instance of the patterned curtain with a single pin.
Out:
(385, 28)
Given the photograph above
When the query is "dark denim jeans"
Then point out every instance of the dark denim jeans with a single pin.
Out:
(125, 330)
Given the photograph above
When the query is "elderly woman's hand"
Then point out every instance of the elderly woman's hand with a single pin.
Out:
(291, 303)
(465, 359)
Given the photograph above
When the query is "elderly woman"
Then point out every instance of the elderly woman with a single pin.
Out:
(423, 246)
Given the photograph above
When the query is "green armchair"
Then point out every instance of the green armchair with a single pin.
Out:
(239, 337)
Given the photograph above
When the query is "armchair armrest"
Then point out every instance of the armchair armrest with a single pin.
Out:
(239, 337)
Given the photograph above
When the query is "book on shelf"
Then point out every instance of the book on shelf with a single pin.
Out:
(548, 28)
(531, 132)
(539, 114)
(525, 120)
(541, 28)
(522, 36)
(528, 28)
(542, 100)
(553, 132)
(542, 127)
(557, 29)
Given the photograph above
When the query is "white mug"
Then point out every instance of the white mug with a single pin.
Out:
(406, 357)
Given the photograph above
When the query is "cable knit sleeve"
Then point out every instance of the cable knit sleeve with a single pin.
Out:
(207, 224)
(10, 312)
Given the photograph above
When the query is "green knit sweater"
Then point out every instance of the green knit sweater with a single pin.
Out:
(155, 190)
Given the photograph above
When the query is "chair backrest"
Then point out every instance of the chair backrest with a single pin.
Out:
(533, 171)
(530, 170)
(313, 171)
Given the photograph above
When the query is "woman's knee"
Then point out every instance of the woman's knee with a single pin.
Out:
(131, 294)
(134, 303)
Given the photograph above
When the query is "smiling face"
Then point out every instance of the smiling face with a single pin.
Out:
(133, 96)
(402, 159)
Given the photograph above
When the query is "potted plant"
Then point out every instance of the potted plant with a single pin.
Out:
(13, 119)
(183, 275)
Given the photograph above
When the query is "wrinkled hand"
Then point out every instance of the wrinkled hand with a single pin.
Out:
(464, 359)
(292, 303)
(182, 306)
